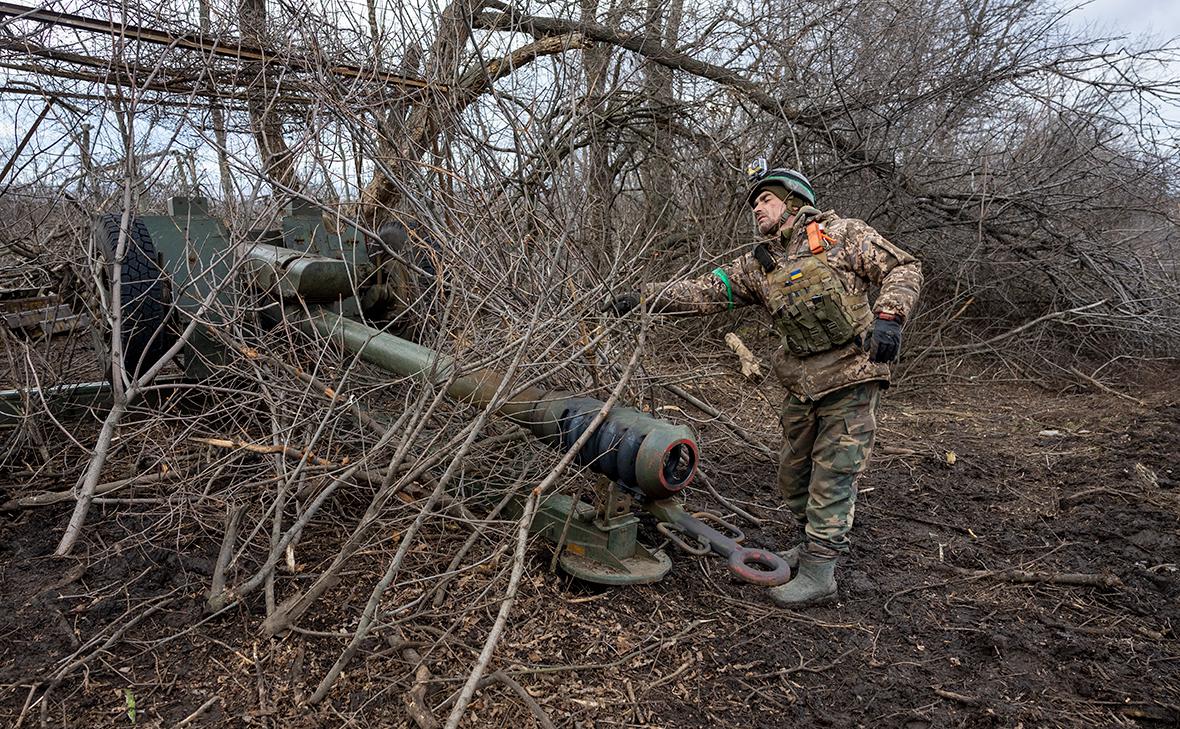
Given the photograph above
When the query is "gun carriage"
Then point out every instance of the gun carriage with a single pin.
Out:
(324, 281)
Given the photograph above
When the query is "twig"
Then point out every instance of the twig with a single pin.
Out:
(722, 418)
(196, 714)
(1108, 632)
(927, 522)
(672, 676)
(954, 696)
(917, 588)
(1079, 497)
(489, 646)
(78, 662)
(965, 348)
(804, 668)
(1107, 388)
(502, 677)
(89, 479)
(661, 644)
(440, 590)
(370, 612)
(1052, 578)
(542, 717)
(708, 484)
(218, 601)
(294, 606)
(288, 451)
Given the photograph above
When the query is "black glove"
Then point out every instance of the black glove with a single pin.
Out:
(885, 340)
(621, 304)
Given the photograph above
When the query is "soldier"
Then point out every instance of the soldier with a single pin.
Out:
(813, 277)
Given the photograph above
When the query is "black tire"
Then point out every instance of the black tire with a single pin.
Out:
(144, 292)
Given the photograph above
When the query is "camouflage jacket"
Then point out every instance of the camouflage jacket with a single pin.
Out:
(860, 257)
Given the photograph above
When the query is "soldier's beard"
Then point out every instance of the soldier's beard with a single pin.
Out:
(770, 227)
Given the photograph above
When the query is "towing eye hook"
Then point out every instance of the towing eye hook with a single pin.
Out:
(693, 534)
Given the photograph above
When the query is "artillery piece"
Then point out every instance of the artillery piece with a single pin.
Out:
(322, 281)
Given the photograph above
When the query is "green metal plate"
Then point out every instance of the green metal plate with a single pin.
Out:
(642, 568)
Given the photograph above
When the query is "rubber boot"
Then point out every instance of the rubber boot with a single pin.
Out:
(814, 583)
(792, 556)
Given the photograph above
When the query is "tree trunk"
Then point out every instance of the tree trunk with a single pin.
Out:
(278, 162)
(657, 176)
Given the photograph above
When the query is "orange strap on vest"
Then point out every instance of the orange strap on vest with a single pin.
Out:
(816, 237)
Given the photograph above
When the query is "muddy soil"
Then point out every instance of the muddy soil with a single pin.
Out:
(1014, 564)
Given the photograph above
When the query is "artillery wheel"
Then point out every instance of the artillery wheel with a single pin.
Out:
(145, 292)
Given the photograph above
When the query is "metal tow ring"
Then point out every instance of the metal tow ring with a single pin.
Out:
(756, 566)
(675, 534)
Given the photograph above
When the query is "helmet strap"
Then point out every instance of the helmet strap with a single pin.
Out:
(793, 206)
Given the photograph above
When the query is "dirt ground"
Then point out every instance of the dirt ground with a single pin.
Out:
(1014, 564)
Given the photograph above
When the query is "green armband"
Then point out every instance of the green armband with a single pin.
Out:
(720, 273)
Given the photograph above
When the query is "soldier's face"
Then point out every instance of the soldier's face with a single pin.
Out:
(768, 212)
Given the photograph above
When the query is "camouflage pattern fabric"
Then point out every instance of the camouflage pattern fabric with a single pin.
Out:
(860, 257)
(826, 446)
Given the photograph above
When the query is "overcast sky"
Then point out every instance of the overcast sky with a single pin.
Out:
(1146, 22)
(1159, 18)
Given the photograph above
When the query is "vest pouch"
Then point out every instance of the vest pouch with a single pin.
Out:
(811, 309)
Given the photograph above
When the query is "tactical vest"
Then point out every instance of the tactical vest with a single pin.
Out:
(811, 308)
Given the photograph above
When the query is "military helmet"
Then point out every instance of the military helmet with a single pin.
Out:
(793, 180)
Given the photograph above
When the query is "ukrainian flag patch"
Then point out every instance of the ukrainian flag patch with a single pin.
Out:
(797, 274)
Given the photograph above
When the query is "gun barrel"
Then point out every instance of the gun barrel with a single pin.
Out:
(652, 458)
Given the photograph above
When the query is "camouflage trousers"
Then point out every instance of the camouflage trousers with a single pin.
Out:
(826, 446)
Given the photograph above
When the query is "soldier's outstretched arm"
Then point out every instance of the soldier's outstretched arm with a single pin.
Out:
(896, 271)
(725, 287)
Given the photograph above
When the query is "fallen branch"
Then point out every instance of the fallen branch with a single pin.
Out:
(1106, 388)
(77, 660)
(416, 697)
(674, 674)
(218, 601)
(369, 615)
(440, 590)
(232, 520)
(300, 602)
(89, 479)
(56, 497)
(489, 646)
(928, 522)
(1106, 632)
(502, 677)
(539, 713)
